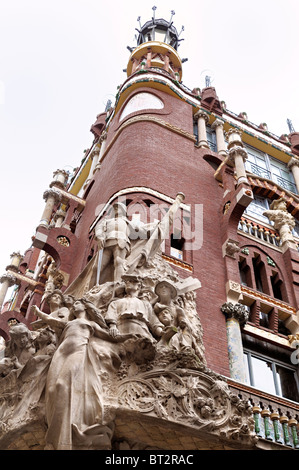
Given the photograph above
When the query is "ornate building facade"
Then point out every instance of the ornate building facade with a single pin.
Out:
(157, 307)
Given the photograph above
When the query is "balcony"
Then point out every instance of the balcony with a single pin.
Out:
(257, 231)
(276, 418)
(270, 175)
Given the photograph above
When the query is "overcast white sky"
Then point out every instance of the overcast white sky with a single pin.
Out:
(61, 60)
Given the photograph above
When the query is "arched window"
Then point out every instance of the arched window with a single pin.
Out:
(141, 101)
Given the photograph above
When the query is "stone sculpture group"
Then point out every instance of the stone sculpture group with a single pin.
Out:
(133, 342)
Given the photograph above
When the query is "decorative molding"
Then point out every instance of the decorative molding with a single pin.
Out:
(266, 335)
(191, 398)
(177, 262)
(269, 300)
(230, 248)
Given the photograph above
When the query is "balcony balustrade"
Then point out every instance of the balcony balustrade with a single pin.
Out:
(288, 185)
(276, 419)
(264, 173)
(255, 230)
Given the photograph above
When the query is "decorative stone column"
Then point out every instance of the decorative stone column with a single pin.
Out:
(16, 259)
(60, 179)
(284, 222)
(202, 119)
(221, 145)
(294, 166)
(237, 154)
(51, 197)
(103, 141)
(7, 280)
(236, 316)
(94, 160)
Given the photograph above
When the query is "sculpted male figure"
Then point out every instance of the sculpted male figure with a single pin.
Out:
(113, 237)
(131, 314)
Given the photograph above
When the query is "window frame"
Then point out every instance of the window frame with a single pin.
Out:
(268, 172)
(248, 354)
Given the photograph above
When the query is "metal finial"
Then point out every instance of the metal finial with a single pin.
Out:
(154, 9)
(138, 19)
(183, 29)
(291, 127)
(208, 81)
(172, 14)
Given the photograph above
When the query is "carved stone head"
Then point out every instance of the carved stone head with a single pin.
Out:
(56, 298)
(118, 210)
(165, 289)
(132, 283)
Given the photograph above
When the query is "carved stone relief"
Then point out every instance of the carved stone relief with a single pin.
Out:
(132, 343)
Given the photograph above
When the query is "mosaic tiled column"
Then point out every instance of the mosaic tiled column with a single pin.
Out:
(15, 259)
(236, 315)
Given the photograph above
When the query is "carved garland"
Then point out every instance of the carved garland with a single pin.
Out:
(191, 398)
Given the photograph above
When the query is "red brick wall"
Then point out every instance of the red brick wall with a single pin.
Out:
(147, 154)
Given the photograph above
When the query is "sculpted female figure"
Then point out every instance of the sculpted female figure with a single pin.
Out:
(74, 398)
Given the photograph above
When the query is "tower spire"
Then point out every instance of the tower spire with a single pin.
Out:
(157, 44)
